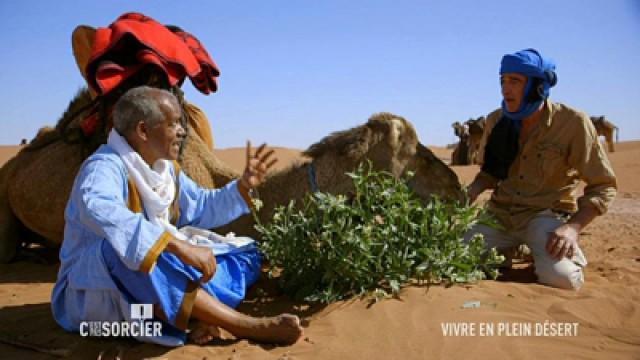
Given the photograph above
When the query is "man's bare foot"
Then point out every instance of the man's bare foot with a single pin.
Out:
(203, 333)
(283, 329)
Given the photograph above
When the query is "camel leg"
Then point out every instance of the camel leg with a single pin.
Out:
(454, 156)
(472, 156)
(610, 142)
(9, 224)
(39, 188)
(9, 231)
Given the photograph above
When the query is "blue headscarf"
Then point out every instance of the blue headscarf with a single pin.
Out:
(531, 64)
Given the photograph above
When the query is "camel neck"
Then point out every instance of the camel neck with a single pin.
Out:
(294, 183)
(283, 186)
(313, 179)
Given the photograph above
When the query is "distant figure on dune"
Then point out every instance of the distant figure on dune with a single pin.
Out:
(535, 152)
(23, 142)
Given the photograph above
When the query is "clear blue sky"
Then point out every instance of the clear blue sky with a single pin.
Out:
(294, 71)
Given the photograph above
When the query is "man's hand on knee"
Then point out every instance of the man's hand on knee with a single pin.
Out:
(563, 241)
(200, 257)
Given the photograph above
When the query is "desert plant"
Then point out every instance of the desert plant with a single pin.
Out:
(373, 241)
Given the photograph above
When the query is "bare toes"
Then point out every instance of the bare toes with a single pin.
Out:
(203, 334)
(289, 328)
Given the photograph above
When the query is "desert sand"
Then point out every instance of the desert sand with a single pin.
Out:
(606, 309)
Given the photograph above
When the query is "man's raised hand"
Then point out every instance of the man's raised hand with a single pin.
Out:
(257, 166)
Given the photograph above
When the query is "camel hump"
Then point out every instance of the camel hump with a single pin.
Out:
(200, 123)
(82, 41)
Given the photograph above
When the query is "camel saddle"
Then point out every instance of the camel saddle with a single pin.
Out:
(108, 56)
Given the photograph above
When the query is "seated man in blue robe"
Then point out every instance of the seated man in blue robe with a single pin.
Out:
(124, 242)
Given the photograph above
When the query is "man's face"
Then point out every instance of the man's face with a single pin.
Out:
(513, 86)
(165, 138)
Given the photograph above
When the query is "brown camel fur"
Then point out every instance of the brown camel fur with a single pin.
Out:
(387, 140)
(476, 128)
(460, 155)
(470, 134)
(606, 128)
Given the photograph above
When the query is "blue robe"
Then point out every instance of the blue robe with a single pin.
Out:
(112, 256)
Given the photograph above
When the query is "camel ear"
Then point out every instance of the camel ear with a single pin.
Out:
(396, 130)
(392, 127)
(82, 41)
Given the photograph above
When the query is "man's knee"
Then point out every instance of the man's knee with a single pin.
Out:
(466, 238)
(562, 274)
(491, 236)
(540, 227)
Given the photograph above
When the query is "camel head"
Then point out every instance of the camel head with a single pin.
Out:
(387, 140)
(391, 144)
(597, 119)
(475, 126)
(460, 130)
(433, 177)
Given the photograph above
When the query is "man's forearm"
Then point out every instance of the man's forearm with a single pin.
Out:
(481, 183)
(583, 216)
(177, 247)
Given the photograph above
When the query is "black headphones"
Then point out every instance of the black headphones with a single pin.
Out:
(552, 77)
(536, 93)
(537, 87)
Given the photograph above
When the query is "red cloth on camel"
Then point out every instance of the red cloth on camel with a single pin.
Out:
(135, 40)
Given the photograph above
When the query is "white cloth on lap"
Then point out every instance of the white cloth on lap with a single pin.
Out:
(157, 189)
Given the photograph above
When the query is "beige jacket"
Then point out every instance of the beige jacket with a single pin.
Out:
(561, 150)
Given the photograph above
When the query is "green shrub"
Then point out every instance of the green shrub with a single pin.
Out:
(374, 241)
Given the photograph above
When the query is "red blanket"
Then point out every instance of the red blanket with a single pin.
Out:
(135, 40)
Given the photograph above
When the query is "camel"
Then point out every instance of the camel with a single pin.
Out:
(470, 134)
(476, 128)
(36, 183)
(460, 155)
(606, 128)
(387, 140)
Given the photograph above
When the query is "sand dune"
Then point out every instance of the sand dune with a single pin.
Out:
(7, 152)
(606, 310)
(235, 157)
